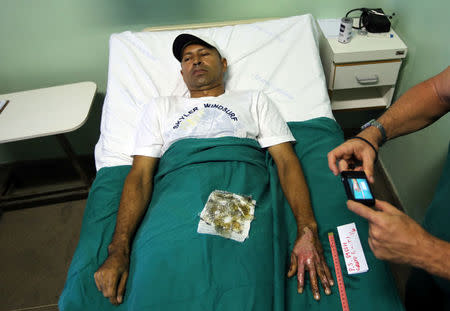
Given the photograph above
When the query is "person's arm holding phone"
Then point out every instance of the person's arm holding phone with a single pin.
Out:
(393, 235)
(415, 109)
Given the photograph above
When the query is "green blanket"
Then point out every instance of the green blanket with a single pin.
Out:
(173, 267)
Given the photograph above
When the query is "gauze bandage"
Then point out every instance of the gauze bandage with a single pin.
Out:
(228, 215)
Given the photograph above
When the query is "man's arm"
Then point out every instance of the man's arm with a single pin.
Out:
(111, 277)
(415, 109)
(396, 237)
(307, 253)
(418, 107)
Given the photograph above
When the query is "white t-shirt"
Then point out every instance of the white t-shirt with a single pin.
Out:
(244, 114)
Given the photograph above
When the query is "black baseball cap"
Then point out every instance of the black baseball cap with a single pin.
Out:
(185, 39)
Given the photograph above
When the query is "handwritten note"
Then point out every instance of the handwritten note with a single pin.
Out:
(352, 249)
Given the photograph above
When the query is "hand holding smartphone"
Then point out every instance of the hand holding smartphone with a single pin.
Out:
(357, 187)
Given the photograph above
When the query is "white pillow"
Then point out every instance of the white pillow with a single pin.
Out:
(280, 57)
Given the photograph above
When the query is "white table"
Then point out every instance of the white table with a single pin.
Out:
(45, 112)
(361, 74)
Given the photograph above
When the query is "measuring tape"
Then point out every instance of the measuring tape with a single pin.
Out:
(337, 269)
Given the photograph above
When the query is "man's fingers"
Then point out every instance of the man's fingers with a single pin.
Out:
(362, 210)
(111, 287)
(336, 156)
(323, 278)
(113, 300)
(327, 272)
(343, 165)
(368, 160)
(122, 285)
(313, 278)
(332, 162)
(386, 207)
(300, 277)
(293, 266)
(97, 281)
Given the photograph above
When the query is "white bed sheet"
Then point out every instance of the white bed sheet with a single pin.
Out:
(279, 57)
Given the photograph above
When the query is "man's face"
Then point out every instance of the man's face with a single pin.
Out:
(202, 68)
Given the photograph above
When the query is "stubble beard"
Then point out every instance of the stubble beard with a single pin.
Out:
(204, 81)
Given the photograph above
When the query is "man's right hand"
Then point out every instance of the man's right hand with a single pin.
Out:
(111, 277)
(347, 154)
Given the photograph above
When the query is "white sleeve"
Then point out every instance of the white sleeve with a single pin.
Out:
(273, 129)
(149, 139)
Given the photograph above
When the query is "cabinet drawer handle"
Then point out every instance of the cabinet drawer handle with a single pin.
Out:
(370, 80)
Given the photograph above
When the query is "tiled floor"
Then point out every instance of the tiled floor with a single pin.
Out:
(37, 244)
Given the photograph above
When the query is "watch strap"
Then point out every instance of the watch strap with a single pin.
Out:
(380, 127)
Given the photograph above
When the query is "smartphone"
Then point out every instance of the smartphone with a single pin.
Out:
(357, 187)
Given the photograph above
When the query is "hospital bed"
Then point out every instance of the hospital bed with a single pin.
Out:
(172, 267)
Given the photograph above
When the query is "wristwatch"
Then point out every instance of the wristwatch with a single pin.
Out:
(380, 127)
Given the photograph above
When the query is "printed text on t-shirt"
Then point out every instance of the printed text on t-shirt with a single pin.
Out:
(184, 116)
(230, 113)
(224, 109)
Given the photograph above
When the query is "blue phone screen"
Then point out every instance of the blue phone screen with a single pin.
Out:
(360, 188)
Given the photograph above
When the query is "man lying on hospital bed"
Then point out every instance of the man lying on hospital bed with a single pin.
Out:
(211, 112)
